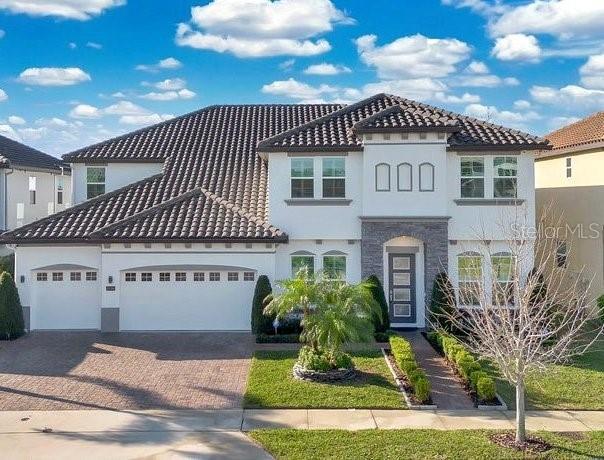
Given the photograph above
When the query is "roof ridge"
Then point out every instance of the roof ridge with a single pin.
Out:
(82, 205)
(151, 210)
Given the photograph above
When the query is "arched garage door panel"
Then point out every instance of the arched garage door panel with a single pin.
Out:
(197, 303)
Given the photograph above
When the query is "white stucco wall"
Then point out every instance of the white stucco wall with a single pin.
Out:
(116, 175)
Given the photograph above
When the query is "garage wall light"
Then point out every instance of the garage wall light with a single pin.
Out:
(110, 279)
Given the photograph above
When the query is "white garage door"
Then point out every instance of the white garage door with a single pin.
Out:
(186, 298)
(66, 298)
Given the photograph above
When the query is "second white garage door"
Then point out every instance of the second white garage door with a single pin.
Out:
(185, 298)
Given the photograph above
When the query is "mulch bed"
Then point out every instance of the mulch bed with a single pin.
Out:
(532, 445)
(403, 378)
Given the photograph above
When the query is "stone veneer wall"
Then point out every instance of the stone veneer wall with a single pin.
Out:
(434, 234)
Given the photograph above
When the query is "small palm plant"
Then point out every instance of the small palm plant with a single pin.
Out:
(334, 313)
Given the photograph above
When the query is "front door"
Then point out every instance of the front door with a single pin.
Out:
(401, 276)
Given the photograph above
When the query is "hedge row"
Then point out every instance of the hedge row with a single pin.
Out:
(466, 365)
(405, 359)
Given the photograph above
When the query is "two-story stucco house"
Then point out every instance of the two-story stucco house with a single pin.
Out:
(33, 185)
(172, 224)
(569, 179)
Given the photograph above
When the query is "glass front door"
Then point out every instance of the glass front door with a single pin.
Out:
(401, 275)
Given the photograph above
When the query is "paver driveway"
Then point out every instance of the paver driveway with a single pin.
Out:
(88, 370)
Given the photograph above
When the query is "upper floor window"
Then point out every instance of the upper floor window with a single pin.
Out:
(469, 271)
(426, 177)
(382, 177)
(505, 170)
(334, 178)
(302, 178)
(334, 267)
(298, 262)
(32, 189)
(60, 188)
(472, 177)
(95, 181)
(404, 174)
(569, 167)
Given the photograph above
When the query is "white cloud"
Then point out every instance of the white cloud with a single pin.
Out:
(53, 76)
(118, 95)
(297, 90)
(258, 28)
(125, 108)
(592, 72)
(168, 63)
(72, 45)
(326, 69)
(169, 84)
(16, 120)
(96, 46)
(142, 120)
(169, 95)
(482, 7)
(569, 97)
(85, 111)
(287, 65)
(3, 96)
(465, 98)
(484, 81)
(128, 113)
(55, 122)
(68, 9)
(562, 18)
(414, 56)
(517, 47)
(33, 134)
(8, 131)
(522, 104)
(492, 114)
(477, 67)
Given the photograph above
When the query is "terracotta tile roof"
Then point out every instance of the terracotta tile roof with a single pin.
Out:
(13, 154)
(214, 183)
(587, 131)
(336, 130)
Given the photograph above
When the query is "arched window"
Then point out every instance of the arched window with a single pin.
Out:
(426, 177)
(382, 177)
(469, 277)
(404, 173)
(502, 265)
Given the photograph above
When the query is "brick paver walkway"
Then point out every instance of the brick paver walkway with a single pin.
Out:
(88, 370)
(447, 392)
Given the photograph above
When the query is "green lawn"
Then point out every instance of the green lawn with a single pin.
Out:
(414, 444)
(271, 385)
(576, 386)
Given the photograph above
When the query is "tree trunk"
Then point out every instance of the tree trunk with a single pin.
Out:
(520, 416)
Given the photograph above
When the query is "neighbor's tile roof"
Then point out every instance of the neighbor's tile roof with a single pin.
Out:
(336, 130)
(13, 154)
(214, 184)
(587, 131)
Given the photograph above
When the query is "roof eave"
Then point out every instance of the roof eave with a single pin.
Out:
(407, 129)
(109, 240)
(496, 147)
(112, 160)
(310, 149)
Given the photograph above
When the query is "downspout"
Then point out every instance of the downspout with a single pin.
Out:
(6, 174)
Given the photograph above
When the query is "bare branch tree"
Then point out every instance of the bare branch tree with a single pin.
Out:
(523, 310)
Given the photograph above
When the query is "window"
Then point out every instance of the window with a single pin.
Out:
(569, 167)
(469, 268)
(60, 187)
(248, 276)
(233, 276)
(426, 177)
(180, 276)
(302, 178)
(382, 177)
(300, 262)
(75, 276)
(95, 181)
(334, 267)
(130, 276)
(32, 190)
(164, 276)
(472, 177)
(214, 276)
(146, 276)
(43, 276)
(90, 276)
(404, 174)
(503, 287)
(562, 254)
(334, 178)
(199, 276)
(57, 276)
(505, 170)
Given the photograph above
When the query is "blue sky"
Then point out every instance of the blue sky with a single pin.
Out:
(74, 72)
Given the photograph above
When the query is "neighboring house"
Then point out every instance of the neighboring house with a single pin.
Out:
(182, 217)
(570, 180)
(33, 184)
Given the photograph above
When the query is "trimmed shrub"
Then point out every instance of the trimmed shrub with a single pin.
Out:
(405, 360)
(467, 366)
(442, 302)
(380, 324)
(261, 323)
(321, 361)
(11, 312)
(277, 338)
(476, 376)
(486, 389)
(421, 389)
(383, 337)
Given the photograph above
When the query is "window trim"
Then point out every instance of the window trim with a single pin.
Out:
(468, 254)
(323, 177)
(292, 178)
(497, 176)
(377, 189)
(300, 256)
(398, 177)
(336, 256)
(104, 183)
(510, 281)
(462, 177)
(431, 166)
